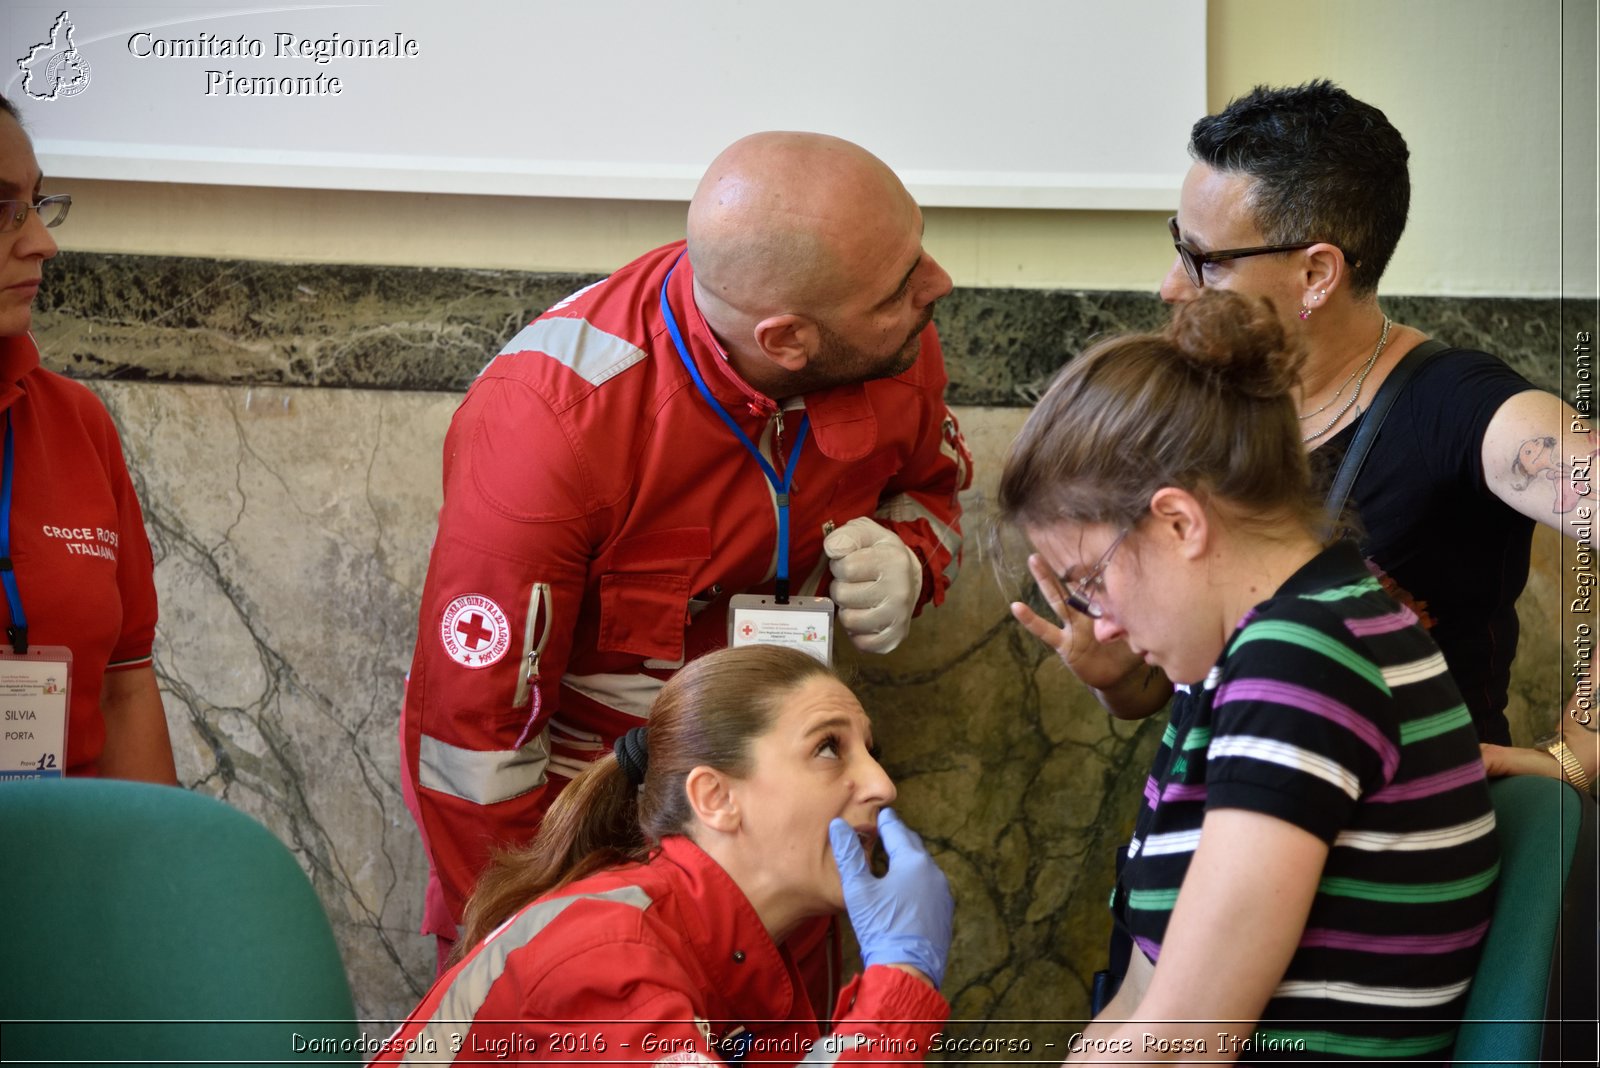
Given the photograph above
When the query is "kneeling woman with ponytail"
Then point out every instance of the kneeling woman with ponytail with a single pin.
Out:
(1312, 868)
(655, 900)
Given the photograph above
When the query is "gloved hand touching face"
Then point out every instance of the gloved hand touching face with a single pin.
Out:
(904, 917)
(876, 583)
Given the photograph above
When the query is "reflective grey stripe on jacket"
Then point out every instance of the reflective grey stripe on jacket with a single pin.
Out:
(470, 989)
(904, 508)
(482, 777)
(591, 353)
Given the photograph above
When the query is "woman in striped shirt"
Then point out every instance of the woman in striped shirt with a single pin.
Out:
(1313, 866)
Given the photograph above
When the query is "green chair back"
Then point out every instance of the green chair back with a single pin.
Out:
(1539, 957)
(153, 924)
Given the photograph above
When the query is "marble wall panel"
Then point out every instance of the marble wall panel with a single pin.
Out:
(291, 528)
(167, 318)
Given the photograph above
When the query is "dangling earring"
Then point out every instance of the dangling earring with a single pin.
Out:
(1305, 312)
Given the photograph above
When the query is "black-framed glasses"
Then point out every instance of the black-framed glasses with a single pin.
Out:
(52, 211)
(1194, 260)
(1080, 598)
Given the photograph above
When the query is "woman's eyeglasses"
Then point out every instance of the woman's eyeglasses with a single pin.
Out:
(1194, 260)
(52, 211)
(1081, 597)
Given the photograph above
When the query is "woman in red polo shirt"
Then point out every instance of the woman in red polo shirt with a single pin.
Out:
(79, 604)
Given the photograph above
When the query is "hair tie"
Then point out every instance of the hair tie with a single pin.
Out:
(633, 754)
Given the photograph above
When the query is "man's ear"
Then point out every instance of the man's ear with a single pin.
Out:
(1179, 515)
(788, 340)
(712, 800)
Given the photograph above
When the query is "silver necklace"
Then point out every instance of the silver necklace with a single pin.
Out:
(1336, 395)
(1366, 369)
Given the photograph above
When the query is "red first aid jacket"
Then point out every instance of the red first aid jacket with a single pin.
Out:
(597, 517)
(662, 962)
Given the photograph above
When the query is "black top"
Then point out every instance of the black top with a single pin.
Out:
(1429, 521)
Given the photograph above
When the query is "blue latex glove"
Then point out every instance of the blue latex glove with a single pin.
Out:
(904, 917)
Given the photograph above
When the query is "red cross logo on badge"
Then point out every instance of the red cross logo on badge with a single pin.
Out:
(474, 635)
(474, 631)
(747, 630)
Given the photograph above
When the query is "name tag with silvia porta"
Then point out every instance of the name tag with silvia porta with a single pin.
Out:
(33, 712)
(804, 623)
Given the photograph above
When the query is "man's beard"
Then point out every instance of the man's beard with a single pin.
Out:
(837, 362)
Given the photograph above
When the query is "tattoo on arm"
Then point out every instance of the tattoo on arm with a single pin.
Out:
(1539, 459)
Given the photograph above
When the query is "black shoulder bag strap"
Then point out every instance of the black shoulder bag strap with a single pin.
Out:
(1344, 479)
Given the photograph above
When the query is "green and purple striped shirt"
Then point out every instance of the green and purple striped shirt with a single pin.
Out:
(1331, 709)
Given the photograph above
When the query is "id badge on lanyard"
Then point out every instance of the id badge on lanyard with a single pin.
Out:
(34, 680)
(805, 623)
(35, 691)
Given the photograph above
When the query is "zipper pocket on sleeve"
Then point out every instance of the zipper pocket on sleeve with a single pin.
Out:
(533, 640)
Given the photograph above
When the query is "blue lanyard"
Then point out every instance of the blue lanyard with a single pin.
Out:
(17, 632)
(780, 483)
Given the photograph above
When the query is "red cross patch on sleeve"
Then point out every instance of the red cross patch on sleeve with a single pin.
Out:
(474, 631)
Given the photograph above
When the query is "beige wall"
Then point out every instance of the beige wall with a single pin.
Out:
(1477, 87)
(1456, 76)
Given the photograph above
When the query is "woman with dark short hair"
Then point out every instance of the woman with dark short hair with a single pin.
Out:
(1300, 194)
(1312, 869)
(646, 921)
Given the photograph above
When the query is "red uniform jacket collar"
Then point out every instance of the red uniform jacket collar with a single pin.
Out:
(18, 356)
(843, 424)
(734, 948)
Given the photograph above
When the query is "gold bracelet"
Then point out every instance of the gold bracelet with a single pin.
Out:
(1571, 766)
